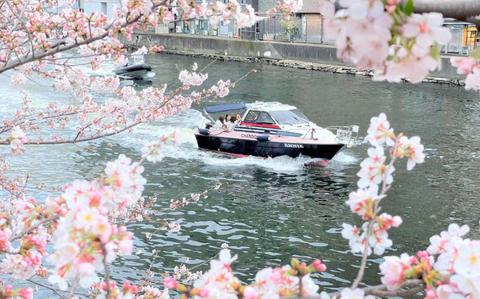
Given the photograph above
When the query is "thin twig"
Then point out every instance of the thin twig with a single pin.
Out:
(107, 271)
(34, 227)
(376, 210)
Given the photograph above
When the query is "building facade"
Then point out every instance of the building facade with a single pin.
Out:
(104, 6)
(464, 37)
(305, 26)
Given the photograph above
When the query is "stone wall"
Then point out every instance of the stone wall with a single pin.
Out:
(278, 53)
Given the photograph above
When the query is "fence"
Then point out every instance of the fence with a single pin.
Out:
(306, 28)
(303, 28)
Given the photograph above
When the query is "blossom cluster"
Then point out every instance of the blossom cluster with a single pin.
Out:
(192, 78)
(449, 268)
(125, 108)
(376, 177)
(469, 66)
(83, 227)
(287, 7)
(221, 89)
(194, 197)
(17, 140)
(36, 45)
(386, 37)
(220, 282)
(8, 291)
(86, 240)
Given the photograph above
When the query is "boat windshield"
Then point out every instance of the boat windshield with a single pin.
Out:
(289, 117)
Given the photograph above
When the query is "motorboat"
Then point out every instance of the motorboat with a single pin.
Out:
(271, 129)
(135, 69)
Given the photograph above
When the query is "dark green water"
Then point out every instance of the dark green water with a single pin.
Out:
(270, 210)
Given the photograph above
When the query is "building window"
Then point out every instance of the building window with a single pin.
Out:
(469, 36)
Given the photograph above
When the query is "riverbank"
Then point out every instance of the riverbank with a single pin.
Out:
(315, 57)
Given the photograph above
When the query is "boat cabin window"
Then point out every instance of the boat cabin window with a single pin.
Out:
(289, 117)
(259, 117)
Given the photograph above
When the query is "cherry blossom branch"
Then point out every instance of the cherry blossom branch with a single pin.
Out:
(408, 288)
(383, 192)
(363, 262)
(107, 271)
(79, 140)
(34, 227)
(58, 48)
(56, 291)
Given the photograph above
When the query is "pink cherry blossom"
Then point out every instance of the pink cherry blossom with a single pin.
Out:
(410, 148)
(221, 89)
(467, 261)
(169, 283)
(390, 5)
(393, 270)
(150, 292)
(427, 29)
(373, 171)
(5, 235)
(472, 82)
(18, 79)
(356, 240)
(191, 78)
(362, 201)
(448, 291)
(379, 131)
(18, 138)
(250, 293)
(447, 239)
(25, 293)
(464, 65)
(247, 19)
(348, 293)
(363, 31)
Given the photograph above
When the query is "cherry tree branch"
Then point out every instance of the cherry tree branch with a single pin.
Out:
(383, 192)
(107, 272)
(60, 47)
(408, 288)
(34, 227)
(57, 292)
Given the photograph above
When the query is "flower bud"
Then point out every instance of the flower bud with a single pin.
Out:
(170, 283)
(195, 292)
(295, 263)
(181, 288)
(319, 266)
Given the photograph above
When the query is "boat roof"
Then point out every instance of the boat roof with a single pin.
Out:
(261, 106)
(224, 107)
(270, 106)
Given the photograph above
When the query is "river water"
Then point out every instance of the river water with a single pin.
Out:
(270, 210)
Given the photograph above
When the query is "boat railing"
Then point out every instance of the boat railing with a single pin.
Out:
(347, 135)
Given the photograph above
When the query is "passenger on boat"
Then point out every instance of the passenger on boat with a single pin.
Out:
(238, 119)
(219, 124)
(232, 123)
(227, 118)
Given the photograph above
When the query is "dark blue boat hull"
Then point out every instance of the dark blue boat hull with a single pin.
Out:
(266, 148)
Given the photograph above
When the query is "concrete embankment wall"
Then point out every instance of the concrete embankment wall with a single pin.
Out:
(306, 56)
